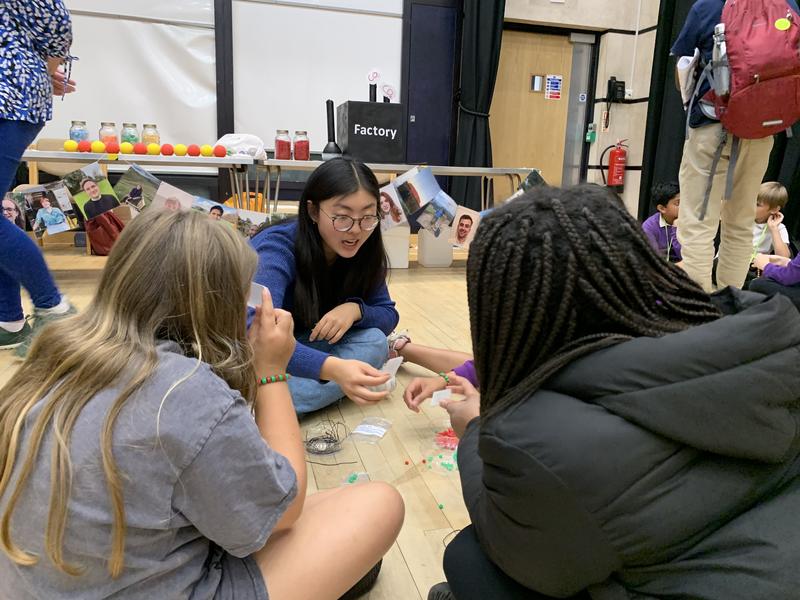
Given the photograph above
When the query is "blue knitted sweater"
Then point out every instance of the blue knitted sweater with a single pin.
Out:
(276, 271)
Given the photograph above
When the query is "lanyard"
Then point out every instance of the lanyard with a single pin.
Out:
(68, 72)
(759, 241)
(669, 241)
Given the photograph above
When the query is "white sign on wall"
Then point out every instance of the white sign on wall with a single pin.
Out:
(552, 90)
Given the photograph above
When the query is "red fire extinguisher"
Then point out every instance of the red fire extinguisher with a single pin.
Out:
(617, 160)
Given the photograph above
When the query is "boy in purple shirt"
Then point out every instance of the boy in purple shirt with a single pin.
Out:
(660, 228)
(779, 276)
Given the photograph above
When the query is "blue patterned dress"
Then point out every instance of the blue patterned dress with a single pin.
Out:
(30, 31)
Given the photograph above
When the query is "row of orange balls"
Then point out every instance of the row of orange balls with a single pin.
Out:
(99, 147)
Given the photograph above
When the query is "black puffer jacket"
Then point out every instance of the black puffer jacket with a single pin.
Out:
(659, 468)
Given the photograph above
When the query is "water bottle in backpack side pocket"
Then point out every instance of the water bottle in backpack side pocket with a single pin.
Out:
(719, 63)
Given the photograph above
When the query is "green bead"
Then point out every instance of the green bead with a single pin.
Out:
(280, 377)
(441, 507)
(263, 381)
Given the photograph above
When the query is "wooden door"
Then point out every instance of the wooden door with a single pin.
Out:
(528, 128)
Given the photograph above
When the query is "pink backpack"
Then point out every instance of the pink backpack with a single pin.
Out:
(754, 76)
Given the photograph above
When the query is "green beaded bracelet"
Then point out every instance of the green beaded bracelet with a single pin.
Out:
(273, 379)
(444, 376)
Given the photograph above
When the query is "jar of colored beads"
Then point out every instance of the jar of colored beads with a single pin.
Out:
(79, 132)
(302, 151)
(108, 132)
(130, 133)
(150, 134)
(283, 145)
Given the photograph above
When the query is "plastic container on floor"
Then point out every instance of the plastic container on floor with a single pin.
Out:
(396, 241)
(435, 251)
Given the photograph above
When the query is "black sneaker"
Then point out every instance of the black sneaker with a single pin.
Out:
(363, 585)
(441, 591)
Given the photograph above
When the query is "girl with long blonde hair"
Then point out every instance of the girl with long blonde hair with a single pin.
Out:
(130, 461)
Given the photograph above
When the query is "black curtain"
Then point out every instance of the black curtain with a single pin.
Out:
(480, 55)
(666, 122)
(784, 166)
(666, 119)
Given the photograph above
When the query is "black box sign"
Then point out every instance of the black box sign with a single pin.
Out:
(372, 131)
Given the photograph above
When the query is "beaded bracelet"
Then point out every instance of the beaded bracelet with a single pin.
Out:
(273, 379)
(444, 376)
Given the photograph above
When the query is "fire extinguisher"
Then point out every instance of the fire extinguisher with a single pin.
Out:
(617, 160)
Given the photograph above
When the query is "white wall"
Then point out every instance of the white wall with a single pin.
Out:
(582, 14)
(151, 61)
(289, 59)
(621, 55)
(142, 71)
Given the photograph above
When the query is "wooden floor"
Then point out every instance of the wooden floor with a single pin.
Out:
(433, 306)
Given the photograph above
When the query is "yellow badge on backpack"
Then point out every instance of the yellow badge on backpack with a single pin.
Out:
(783, 24)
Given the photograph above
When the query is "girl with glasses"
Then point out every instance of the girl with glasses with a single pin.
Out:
(328, 268)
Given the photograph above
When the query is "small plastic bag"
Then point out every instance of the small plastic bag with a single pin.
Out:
(243, 144)
(355, 477)
(391, 366)
(371, 430)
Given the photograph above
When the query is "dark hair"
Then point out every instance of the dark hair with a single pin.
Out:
(663, 192)
(19, 219)
(357, 277)
(462, 217)
(560, 273)
(219, 208)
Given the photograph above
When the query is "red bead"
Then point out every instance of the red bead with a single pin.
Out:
(423, 461)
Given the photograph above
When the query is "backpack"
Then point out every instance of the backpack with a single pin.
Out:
(754, 75)
(103, 231)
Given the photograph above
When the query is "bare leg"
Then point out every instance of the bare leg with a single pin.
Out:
(437, 360)
(339, 537)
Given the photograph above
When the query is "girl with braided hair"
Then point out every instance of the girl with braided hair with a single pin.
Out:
(630, 430)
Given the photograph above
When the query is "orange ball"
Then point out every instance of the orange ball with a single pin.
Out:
(167, 150)
(112, 147)
(84, 146)
(193, 150)
(220, 151)
(140, 148)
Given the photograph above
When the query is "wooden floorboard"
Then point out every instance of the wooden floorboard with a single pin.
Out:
(433, 307)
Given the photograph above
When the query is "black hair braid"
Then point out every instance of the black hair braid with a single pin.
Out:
(611, 252)
(597, 275)
(671, 277)
(510, 271)
(558, 274)
(483, 262)
(542, 280)
(580, 347)
(560, 320)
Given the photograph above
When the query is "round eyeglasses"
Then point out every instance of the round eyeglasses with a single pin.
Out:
(344, 223)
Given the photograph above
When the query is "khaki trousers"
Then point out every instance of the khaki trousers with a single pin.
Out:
(736, 214)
